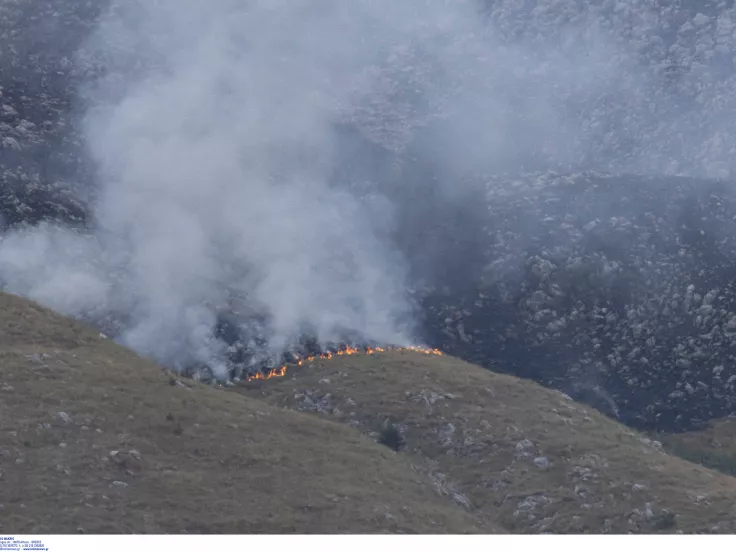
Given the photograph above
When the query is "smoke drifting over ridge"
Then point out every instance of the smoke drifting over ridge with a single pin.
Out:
(213, 134)
(221, 170)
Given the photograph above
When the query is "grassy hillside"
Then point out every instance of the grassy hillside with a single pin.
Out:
(714, 446)
(95, 439)
(507, 448)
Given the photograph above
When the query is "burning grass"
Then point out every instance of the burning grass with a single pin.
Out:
(346, 351)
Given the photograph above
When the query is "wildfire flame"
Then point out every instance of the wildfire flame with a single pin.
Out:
(281, 370)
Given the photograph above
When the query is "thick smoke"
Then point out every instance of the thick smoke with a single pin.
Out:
(213, 129)
(218, 131)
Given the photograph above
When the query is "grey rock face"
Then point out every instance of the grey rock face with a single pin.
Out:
(632, 314)
(44, 173)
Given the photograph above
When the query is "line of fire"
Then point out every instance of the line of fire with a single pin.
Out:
(281, 370)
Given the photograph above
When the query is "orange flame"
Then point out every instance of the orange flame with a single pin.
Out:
(281, 370)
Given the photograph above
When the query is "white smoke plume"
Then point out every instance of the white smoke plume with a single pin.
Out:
(213, 127)
(213, 132)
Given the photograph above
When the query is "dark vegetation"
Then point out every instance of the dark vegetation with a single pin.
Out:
(391, 437)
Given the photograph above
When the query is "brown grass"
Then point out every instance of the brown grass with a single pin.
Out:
(94, 438)
(487, 439)
(713, 447)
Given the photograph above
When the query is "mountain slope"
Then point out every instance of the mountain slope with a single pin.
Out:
(94, 438)
(713, 446)
(579, 281)
(511, 449)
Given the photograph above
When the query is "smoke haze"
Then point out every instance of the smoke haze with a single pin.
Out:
(215, 128)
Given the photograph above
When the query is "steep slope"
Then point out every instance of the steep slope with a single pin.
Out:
(93, 438)
(44, 171)
(617, 290)
(713, 446)
(510, 448)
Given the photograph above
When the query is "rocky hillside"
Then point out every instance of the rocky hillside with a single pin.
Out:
(528, 457)
(44, 172)
(676, 51)
(618, 290)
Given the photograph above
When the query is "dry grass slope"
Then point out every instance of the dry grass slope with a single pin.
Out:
(713, 446)
(94, 438)
(511, 450)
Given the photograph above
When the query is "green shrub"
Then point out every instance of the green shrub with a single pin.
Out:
(391, 437)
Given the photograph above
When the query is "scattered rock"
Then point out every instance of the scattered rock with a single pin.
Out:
(528, 507)
(524, 448)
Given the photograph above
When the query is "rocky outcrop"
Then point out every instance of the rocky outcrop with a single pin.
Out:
(618, 290)
(44, 173)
